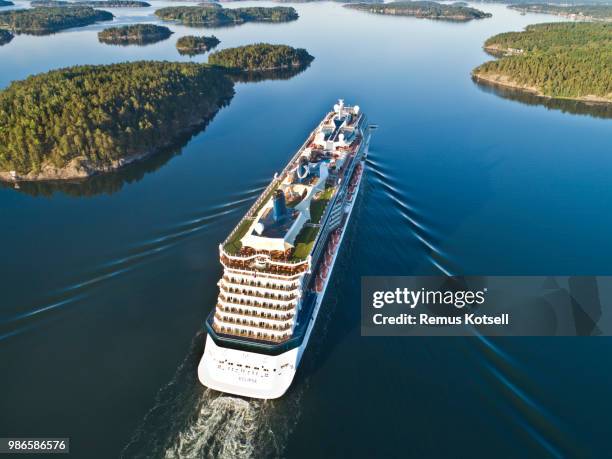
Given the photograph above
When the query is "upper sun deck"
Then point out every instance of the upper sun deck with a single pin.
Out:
(283, 223)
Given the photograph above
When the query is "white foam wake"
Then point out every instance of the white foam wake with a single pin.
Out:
(224, 427)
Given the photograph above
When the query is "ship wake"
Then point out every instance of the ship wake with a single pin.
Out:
(229, 427)
(191, 421)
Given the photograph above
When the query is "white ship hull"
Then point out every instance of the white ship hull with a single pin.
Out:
(216, 372)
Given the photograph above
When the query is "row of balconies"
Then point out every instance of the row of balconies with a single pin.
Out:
(260, 293)
(254, 313)
(256, 302)
(252, 304)
(252, 323)
(261, 284)
(253, 273)
(272, 269)
(263, 336)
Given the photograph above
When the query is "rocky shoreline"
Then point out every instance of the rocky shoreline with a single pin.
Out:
(82, 168)
(498, 79)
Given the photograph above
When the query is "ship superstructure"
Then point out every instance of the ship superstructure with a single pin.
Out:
(278, 259)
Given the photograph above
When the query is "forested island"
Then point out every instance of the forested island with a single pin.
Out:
(192, 45)
(5, 37)
(211, 16)
(210, 4)
(49, 20)
(137, 34)
(261, 57)
(552, 2)
(93, 4)
(6, 3)
(79, 121)
(561, 60)
(422, 9)
(581, 12)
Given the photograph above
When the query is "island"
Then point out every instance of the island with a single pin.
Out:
(261, 57)
(136, 34)
(49, 20)
(93, 4)
(192, 45)
(210, 4)
(565, 60)
(422, 9)
(579, 12)
(5, 37)
(6, 3)
(215, 17)
(79, 121)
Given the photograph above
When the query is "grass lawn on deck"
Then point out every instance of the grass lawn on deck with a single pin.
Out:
(234, 245)
(317, 206)
(304, 241)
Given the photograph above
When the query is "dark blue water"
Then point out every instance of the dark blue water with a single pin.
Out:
(105, 284)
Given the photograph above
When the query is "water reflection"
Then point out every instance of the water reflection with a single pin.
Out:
(257, 76)
(576, 107)
(140, 41)
(108, 183)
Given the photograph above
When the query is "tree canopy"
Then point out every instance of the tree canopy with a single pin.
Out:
(569, 60)
(598, 12)
(422, 9)
(194, 45)
(103, 113)
(48, 20)
(134, 34)
(94, 4)
(210, 16)
(261, 56)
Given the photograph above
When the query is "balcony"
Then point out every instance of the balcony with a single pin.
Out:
(257, 293)
(234, 302)
(252, 323)
(250, 334)
(273, 268)
(231, 302)
(256, 314)
(260, 284)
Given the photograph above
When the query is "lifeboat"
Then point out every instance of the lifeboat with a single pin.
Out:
(319, 285)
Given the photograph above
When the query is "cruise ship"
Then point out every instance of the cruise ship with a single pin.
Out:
(278, 260)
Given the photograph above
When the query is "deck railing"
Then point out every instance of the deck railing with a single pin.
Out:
(235, 291)
(261, 336)
(251, 323)
(259, 284)
(254, 304)
(260, 314)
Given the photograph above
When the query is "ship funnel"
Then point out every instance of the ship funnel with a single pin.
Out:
(279, 205)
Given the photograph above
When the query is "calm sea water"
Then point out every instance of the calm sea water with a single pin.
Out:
(104, 285)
